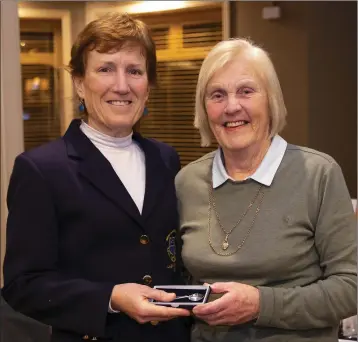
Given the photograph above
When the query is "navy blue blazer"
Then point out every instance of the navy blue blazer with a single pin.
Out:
(73, 232)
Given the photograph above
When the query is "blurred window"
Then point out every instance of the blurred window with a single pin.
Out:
(40, 61)
(183, 40)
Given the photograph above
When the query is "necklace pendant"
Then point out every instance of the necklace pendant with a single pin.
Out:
(225, 244)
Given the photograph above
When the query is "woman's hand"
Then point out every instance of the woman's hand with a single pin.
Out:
(239, 304)
(132, 299)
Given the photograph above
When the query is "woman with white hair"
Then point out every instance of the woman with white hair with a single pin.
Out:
(267, 224)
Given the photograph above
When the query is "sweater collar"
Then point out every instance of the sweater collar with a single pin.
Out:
(103, 140)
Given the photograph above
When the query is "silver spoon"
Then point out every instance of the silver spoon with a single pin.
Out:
(195, 297)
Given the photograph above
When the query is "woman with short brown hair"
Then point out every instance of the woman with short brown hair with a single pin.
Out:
(92, 216)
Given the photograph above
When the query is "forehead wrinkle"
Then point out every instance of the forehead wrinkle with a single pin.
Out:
(237, 70)
(232, 86)
(117, 57)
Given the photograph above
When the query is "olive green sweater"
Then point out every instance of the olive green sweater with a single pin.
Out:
(300, 253)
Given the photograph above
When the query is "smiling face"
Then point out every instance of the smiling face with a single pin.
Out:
(237, 107)
(115, 89)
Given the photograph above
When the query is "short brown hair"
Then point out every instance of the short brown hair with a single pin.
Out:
(109, 33)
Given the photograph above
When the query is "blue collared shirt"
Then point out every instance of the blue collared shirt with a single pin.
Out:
(264, 173)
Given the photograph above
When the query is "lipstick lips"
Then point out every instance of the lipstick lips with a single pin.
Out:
(234, 124)
(119, 102)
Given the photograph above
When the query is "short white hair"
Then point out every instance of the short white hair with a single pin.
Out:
(225, 52)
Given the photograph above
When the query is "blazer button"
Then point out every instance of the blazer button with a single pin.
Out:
(147, 279)
(144, 239)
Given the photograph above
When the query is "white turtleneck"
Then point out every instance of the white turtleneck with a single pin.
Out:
(126, 158)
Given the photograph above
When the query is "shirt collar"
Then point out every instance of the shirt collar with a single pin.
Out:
(264, 173)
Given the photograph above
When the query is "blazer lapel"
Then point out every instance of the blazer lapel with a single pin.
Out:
(98, 171)
(157, 175)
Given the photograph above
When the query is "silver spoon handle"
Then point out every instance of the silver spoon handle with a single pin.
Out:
(181, 297)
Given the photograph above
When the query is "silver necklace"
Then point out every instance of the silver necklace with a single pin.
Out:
(225, 244)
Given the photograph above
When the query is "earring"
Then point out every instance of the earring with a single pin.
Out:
(81, 107)
(145, 111)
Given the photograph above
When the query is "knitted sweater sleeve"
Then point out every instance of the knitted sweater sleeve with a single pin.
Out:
(334, 297)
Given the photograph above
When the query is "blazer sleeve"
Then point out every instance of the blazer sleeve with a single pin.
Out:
(175, 162)
(183, 275)
(34, 283)
(334, 297)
